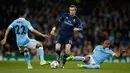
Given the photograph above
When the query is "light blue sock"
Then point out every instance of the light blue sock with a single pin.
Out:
(79, 58)
(40, 52)
(96, 66)
(27, 58)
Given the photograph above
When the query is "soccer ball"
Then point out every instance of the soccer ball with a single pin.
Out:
(54, 64)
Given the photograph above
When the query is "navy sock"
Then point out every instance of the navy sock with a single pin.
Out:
(64, 58)
(58, 53)
(58, 57)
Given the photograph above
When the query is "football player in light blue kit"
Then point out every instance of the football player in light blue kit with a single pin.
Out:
(22, 26)
(100, 53)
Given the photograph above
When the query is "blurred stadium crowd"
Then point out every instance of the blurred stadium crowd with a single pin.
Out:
(101, 19)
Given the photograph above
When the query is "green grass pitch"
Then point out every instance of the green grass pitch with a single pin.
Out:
(70, 67)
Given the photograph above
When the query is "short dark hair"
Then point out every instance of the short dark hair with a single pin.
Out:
(22, 12)
(73, 6)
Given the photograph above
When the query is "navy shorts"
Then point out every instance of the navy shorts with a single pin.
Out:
(64, 40)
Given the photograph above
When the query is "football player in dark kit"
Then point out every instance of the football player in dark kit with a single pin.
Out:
(70, 23)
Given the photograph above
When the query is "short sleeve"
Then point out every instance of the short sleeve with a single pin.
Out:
(12, 25)
(30, 26)
(111, 52)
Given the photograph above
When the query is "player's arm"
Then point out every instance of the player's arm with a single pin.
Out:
(116, 55)
(5, 37)
(54, 28)
(79, 26)
(61, 19)
(7, 32)
(39, 33)
(53, 31)
(35, 31)
(119, 53)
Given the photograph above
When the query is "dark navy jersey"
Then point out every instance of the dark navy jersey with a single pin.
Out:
(68, 24)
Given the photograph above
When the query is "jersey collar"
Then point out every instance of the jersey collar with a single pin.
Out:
(21, 18)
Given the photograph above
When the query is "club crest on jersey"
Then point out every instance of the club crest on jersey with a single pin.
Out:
(66, 17)
(73, 20)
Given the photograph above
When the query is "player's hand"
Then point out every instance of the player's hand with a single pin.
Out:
(122, 50)
(76, 29)
(3, 41)
(45, 36)
(52, 32)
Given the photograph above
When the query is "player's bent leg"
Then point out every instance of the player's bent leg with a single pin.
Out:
(67, 53)
(95, 66)
(58, 52)
(87, 58)
(89, 63)
(33, 44)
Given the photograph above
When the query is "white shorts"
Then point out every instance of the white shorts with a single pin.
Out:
(31, 45)
(91, 61)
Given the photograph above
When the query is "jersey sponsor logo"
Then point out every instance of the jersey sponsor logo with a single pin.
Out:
(68, 23)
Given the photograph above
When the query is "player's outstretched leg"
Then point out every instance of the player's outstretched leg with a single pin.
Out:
(27, 58)
(58, 52)
(64, 59)
(96, 66)
(71, 57)
(77, 58)
(58, 55)
(40, 52)
(66, 54)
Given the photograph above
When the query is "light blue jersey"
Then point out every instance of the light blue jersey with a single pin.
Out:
(100, 54)
(21, 27)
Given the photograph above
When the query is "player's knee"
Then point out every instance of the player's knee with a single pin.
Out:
(38, 45)
(58, 46)
(87, 58)
(67, 48)
(26, 50)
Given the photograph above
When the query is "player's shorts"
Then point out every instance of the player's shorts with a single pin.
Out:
(31, 45)
(64, 40)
